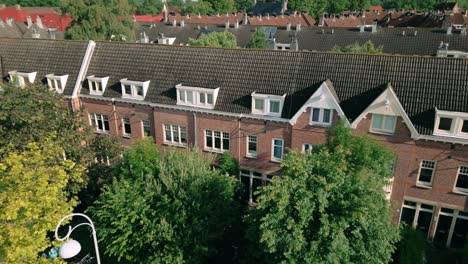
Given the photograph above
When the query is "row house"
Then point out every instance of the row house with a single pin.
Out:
(259, 104)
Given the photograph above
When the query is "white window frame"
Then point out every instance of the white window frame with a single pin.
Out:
(222, 135)
(57, 82)
(143, 127)
(22, 77)
(92, 84)
(273, 158)
(382, 129)
(178, 129)
(197, 93)
(99, 118)
(456, 127)
(423, 183)
(462, 170)
(304, 148)
(455, 215)
(267, 99)
(418, 208)
(264, 178)
(250, 140)
(134, 90)
(127, 134)
(321, 115)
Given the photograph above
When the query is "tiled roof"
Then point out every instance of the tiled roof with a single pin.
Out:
(421, 83)
(281, 21)
(44, 57)
(209, 20)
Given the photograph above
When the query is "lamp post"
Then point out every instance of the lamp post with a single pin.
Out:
(70, 247)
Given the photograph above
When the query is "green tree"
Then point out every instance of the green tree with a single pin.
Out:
(52, 3)
(244, 5)
(412, 246)
(100, 20)
(195, 8)
(215, 39)
(33, 199)
(367, 47)
(222, 6)
(228, 165)
(164, 208)
(150, 7)
(258, 40)
(329, 207)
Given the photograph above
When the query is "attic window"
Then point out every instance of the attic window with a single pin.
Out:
(57, 82)
(134, 89)
(97, 85)
(22, 78)
(196, 96)
(454, 124)
(267, 104)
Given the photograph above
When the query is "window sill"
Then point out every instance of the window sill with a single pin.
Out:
(384, 133)
(276, 161)
(127, 136)
(320, 125)
(175, 145)
(460, 192)
(215, 150)
(420, 185)
(102, 132)
(251, 156)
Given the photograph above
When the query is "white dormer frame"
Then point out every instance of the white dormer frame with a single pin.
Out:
(456, 126)
(387, 103)
(267, 99)
(95, 83)
(196, 96)
(57, 82)
(22, 77)
(134, 92)
(322, 98)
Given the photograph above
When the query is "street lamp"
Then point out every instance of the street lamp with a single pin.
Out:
(70, 247)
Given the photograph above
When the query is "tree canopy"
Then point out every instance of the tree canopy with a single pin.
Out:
(367, 47)
(100, 20)
(329, 207)
(33, 199)
(164, 207)
(215, 39)
(258, 40)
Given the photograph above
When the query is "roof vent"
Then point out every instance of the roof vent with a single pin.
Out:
(288, 26)
(449, 30)
(29, 21)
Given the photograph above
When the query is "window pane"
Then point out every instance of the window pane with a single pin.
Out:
(257, 183)
(175, 134)
(210, 99)
(128, 89)
(93, 120)
(425, 175)
(274, 106)
(252, 145)
(389, 122)
(106, 123)
(167, 131)
(462, 181)
(278, 149)
(202, 98)
(225, 143)
(127, 126)
(183, 135)
(376, 121)
(326, 115)
(407, 216)
(182, 95)
(217, 143)
(259, 104)
(91, 87)
(445, 123)
(465, 126)
(99, 86)
(189, 97)
(146, 128)
(315, 114)
(209, 138)
(139, 90)
(99, 122)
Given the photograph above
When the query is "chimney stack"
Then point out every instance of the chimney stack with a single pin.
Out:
(227, 24)
(449, 30)
(29, 21)
(374, 27)
(298, 26)
(284, 7)
(362, 27)
(174, 22)
(39, 22)
(165, 14)
(144, 38)
(2, 24)
(35, 34)
(288, 26)
(9, 22)
(17, 7)
(236, 24)
(246, 19)
(182, 23)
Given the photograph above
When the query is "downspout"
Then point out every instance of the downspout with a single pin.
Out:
(195, 129)
(239, 138)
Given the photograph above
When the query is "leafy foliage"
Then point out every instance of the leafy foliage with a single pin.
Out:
(367, 47)
(258, 40)
(228, 165)
(164, 208)
(100, 20)
(215, 39)
(412, 246)
(33, 199)
(150, 7)
(201, 7)
(329, 207)
(52, 3)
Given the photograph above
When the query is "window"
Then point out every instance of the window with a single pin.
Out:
(445, 124)
(252, 146)
(206, 99)
(57, 82)
(251, 182)
(216, 140)
(175, 135)
(196, 96)
(307, 148)
(127, 127)
(417, 215)
(464, 128)
(277, 150)
(134, 89)
(383, 123)
(22, 78)
(97, 85)
(275, 106)
(100, 122)
(449, 123)
(426, 172)
(266, 104)
(452, 228)
(259, 104)
(146, 128)
(462, 180)
(321, 116)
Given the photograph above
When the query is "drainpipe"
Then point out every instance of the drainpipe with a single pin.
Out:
(195, 129)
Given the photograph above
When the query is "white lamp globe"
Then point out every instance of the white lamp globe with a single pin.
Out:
(69, 249)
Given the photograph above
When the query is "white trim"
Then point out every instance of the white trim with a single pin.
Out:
(92, 84)
(423, 183)
(84, 68)
(196, 91)
(387, 101)
(31, 76)
(458, 189)
(133, 87)
(322, 96)
(321, 114)
(222, 148)
(53, 82)
(124, 132)
(250, 155)
(458, 118)
(172, 129)
(382, 129)
(267, 99)
(273, 158)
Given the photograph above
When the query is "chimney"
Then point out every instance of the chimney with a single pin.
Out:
(2, 24)
(284, 7)
(182, 23)
(144, 38)
(227, 24)
(260, 17)
(288, 26)
(35, 34)
(246, 19)
(374, 27)
(10, 22)
(29, 21)
(17, 7)
(362, 27)
(165, 14)
(268, 16)
(236, 24)
(174, 22)
(364, 13)
(415, 33)
(449, 30)
(294, 46)
(298, 26)
(199, 15)
(39, 22)
(2, 6)
(321, 21)
(51, 34)
(403, 33)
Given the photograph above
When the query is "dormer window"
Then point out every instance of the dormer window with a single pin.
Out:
(383, 123)
(196, 96)
(453, 124)
(97, 85)
(22, 78)
(266, 104)
(134, 89)
(57, 82)
(321, 116)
